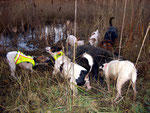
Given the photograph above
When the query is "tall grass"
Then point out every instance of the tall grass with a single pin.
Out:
(42, 92)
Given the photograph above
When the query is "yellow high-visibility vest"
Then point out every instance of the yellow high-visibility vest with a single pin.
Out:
(58, 55)
(20, 57)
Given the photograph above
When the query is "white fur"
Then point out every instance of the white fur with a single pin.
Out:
(93, 40)
(11, 61)
(72, 40)
(89, 57)
(80, 42)
(122, 71)
(70, 70)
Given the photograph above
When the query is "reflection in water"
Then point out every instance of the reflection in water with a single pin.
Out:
(28, 41)
(59, 32)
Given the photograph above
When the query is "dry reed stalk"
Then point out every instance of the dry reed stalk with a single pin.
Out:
(13, 19)
(139, 53)
(143, 43)
(75, 19)
(75, 27)
(131, 24)
(124, 15)
(116, 11)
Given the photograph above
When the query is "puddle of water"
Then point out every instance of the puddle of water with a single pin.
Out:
(59, 33)
(56, 32)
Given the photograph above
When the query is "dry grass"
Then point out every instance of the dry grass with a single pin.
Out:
(42, 92)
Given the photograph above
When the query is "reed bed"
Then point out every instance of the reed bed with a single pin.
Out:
(42, 92)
